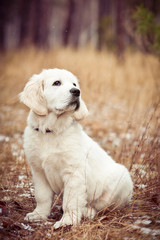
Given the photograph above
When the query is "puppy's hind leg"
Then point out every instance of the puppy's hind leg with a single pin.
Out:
(119, 193)
(103, 202)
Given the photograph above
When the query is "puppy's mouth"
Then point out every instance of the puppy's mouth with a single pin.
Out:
(75, 103)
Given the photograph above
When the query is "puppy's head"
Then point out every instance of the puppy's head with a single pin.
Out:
(54, 90)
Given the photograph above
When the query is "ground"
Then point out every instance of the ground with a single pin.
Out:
(123, 101)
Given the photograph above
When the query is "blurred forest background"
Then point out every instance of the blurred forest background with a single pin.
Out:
(112, 24)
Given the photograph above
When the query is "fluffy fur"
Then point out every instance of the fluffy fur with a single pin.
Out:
(63, 159)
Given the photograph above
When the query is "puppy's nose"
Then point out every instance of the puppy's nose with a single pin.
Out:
(75, 92)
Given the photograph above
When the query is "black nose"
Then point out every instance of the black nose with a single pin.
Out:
(75, 92)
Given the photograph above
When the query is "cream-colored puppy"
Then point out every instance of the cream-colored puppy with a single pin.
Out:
(62, 157)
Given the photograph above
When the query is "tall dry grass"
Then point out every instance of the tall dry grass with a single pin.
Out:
(123, 100)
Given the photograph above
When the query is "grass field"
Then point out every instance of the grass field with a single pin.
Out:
(124, 104)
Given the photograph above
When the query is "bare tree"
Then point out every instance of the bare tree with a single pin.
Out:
(120, 32)
(34, 22)
(26, 22)
(42, 19)
(104, 11)
(68, 24)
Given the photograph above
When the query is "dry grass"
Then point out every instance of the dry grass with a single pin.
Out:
(123, 100)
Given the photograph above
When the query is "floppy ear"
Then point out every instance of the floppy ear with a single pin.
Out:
(32, 95)
(82, 112)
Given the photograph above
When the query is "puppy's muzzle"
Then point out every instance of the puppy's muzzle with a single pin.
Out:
(75, 92)
(75, 98)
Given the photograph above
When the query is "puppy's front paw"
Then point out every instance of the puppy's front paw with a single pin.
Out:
(66, 220)
(59, 224)
(35, 217)
(89, 212)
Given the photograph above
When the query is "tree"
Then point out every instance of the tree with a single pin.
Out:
(68, 24)
(120, 31)
(148, 29)
(7, 13)
(26, 22)
(42, 20)
(3, 15)
(104, 23)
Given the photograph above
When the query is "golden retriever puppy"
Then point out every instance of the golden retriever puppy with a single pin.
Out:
(63, 158)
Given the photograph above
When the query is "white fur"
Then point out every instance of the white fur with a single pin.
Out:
(67, 161)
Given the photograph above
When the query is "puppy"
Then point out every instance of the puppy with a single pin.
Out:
(63, 159)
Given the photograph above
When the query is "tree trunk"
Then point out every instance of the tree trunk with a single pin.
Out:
(104, 10)
(120, 34)
(41, 27)
(3, 20)
(26, 22)
(68, 25)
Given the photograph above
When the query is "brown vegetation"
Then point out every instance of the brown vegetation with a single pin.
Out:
(123, 99)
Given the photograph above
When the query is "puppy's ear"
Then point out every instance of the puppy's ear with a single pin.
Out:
(82, 112)
(32, 95)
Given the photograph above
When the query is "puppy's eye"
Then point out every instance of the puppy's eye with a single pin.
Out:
(56, 83)
(74, 84)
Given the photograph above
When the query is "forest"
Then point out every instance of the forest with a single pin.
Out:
(110, 24)
(113, 47)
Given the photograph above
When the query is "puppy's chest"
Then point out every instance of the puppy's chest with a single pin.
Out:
(55, 155)
(51, 158)
(47, 149)
(52, 149)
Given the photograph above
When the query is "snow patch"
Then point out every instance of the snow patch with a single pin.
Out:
(27, 227)
(4, 138)
(142, 226)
